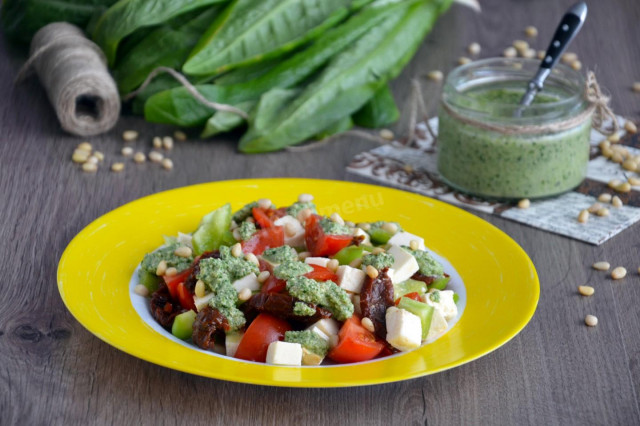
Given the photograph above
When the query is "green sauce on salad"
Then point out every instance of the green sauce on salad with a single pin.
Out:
(304, 310)
(309, 340)
(378, 261)
(151, 260)
(297, 207)
(288, 270)
(280, 254)
(246, 230)
(324, 293)
(244, 212)
(333, 228)
(428, 265)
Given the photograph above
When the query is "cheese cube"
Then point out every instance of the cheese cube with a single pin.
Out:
(359, 232)
(250, 282)
(320, 261)
(438, 326)
(404, 265)
(297, 239)
(446, 306)
(284, 353)
(325, 328)
(231, 343)
(404, 329)
(350, 279)
(309, 358)
(405, 238)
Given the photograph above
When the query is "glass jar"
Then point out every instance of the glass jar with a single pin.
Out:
(487, 149)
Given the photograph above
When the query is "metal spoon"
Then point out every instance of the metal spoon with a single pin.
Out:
(565, 33)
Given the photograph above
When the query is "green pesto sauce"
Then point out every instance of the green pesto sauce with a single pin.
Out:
(309, 340)
(246, 230)
(303, 310)
(291, 269)
(435, 296)
(492, 164)
(280, 254)
(333, 228)
(151, 260)
(296, 207)
(244, 212)
(428, 265)
(324, 293)
(378, 261)
(380, 223)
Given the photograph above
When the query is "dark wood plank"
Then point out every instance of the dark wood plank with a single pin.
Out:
(557, 371)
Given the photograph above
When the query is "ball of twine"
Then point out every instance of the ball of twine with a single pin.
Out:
(73, 71)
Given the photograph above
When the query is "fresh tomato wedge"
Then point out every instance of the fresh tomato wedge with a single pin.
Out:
(415, 296)
(355, 343)
(273, 285)
(262, 218)
(185, 297)
(320, 273)
(262, 331)
(172, 282)
(321, 244)
(264, 239)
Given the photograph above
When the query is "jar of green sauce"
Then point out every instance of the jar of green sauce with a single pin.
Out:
(486, 148)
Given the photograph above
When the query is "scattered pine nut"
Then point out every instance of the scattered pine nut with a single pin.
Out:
(368, 324)
(161, 269)
(636, 87)
(364, 226)
(616, 202)
(586, 290)
(634, 181)
(630, 127)
(601, 266)
(435, 75)
(333, 265)
(303, 215)
(583, 217)
(390, 227)
(624, 187)
(541, 54)
(349, 224)
(90, 167)
(414, 245)
(372, 272)
(607, 152)
(594, 208)
(80, 156)
(139, 157)
(157, 142)
(618, 273)
(524, 203)
(603, 212)
(377, 250)
(529, 53)
(463, 60)
(520, 45)
(604, 197)
(604, 144)
(531, 31)
(171, 272)
(85, 146)
(127, 151)
(199, 289)
(386, 134)
(305, 198)
(510, 52)
(156, 157)
(183, 251)
(264, 203)
(167, 163)
(245, 294)
(614, 138)
(93, 159)
(569, 57)
(167, 142)
(129, 135)
(591, 320)
(630, 165)
(576, 65)
(263, 276)
(252, 258)
(141, 290)
(614, 183)
(99, 155)
(474, 49)
(236, 234)
(617, 157)
(408, 168)
(638, 269)
(236, 250)
(335, 217)
(117, 167)
(180, 135)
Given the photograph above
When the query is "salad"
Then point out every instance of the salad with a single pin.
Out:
(287, 286)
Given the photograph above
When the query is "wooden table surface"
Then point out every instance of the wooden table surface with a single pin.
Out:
(556, 371)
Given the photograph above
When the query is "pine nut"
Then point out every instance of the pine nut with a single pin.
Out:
(252, 258)
(591, 320)
(139, 157)
(199, 289)
(529, 53)
(171, 272)
(604, 197)
(335, 217)
(576, 65)
(180, 135)
(386, 134)
(289, 230)
(541, 54)
(263, 276)
(414, 245)
(129, 135)
(305, 198)
(435, 75)
(586, 290)
(594, 208)
(85, 146)
(636, 87)
(474, 49)
(603, 212)
(463, 60)
(303, 255)
(80, 156)
(618, 273)
(264, 203)
(583, 217)
(524, 203)
(365, 226)
(604, 144)
(127, 151)
(236, 250)
(167, 142)
(156, 156)
(167, 164)
(390, 227)
(245, 294)
(614, 183)
(614, 138)
(356, 263)
(520, 45)
(601, 266)
(89, 167)
(236, 234)
(377, 250)
(349, 224)
(117, 167)
(634, 181)
(638, 269)
(333, 265)
(157, 142)
(607, 152)
(617, 157)
(161, 269)
(630, 165)
(408, 168)
(368, 324)
(303, 215)
(183, 251)
(531, 31)
(371, 272)
(624, 187)
(569, 57)
(99, 155)
(630, 127)
(510, 52)
(616, 202)
(93, 159)
(141, 290)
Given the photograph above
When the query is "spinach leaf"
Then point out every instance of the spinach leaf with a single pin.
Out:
(126, 16)
(224, 121)
(349, 81)
(380, 111)
(339, 126)
(254, 30)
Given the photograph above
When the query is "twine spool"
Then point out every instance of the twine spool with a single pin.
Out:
(73, 71)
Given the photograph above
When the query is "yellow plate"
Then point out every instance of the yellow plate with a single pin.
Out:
(501, 283)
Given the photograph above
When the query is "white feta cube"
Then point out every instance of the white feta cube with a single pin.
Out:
(445, 304)
(320, 261)
(438, 326)
(404, 329)
(405, 238)
(284, 353)
(359, 232)
(297, 239)
(231, 343)
(404, 264)
(327, 327)
(350, 279)
(250, 281)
